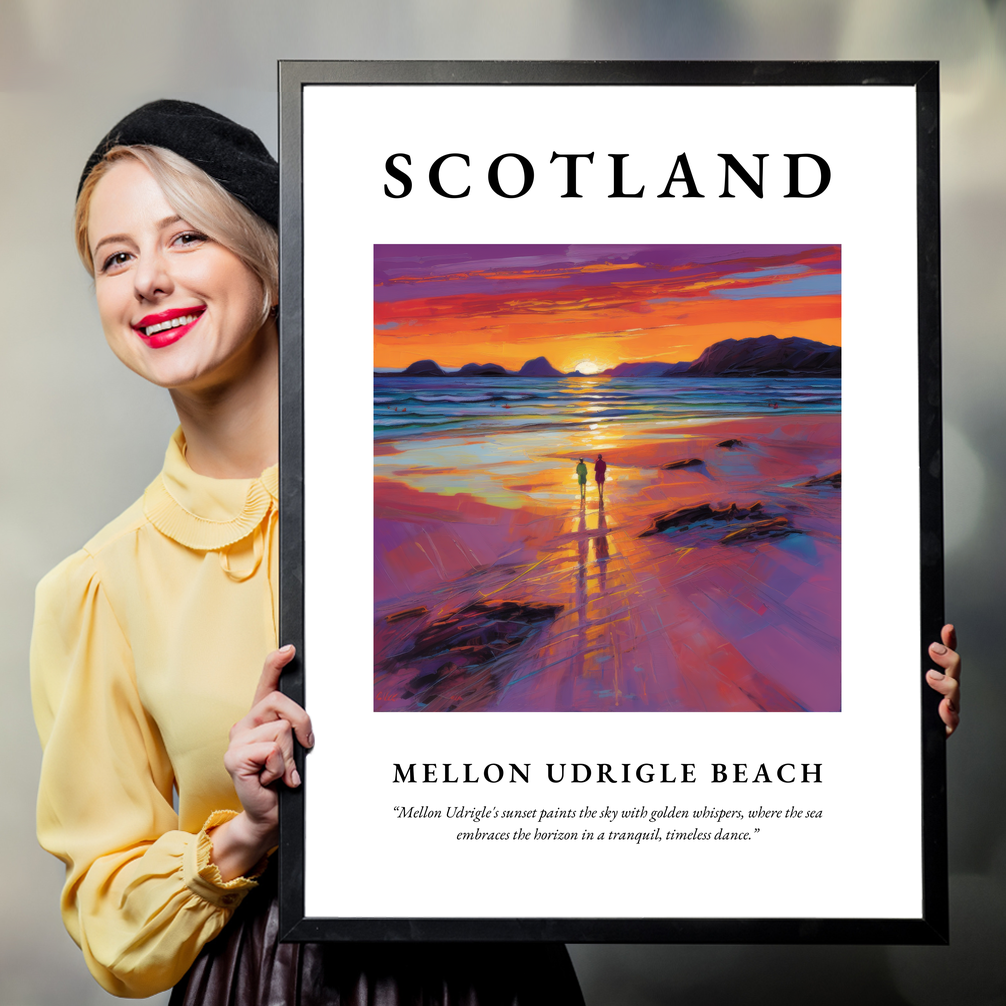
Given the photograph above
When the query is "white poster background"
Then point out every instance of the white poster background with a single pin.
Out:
(862, 858)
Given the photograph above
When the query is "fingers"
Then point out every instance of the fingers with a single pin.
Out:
(262, 760)
(261, 750)
(947, 686)
(277, 706)
(272, 760)
(265, 751)
(950, 716)
(948, 709)
(949, 636)
(271, 671)
(270, 703)
(947, 680)
(280, 763)
(947, 658)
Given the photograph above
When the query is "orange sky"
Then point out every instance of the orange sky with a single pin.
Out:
(573, 319)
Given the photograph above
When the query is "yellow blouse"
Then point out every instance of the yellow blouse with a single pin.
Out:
(147, 647)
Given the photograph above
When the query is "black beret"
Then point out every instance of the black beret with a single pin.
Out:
(231, 154)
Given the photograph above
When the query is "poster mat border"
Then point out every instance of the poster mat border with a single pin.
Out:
(933, 926)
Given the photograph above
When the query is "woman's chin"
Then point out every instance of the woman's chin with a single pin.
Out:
(196, 365)
(173, 373)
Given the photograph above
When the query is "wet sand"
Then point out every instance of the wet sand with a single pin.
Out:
(676, 620)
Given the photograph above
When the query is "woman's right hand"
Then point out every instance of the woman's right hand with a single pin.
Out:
(259, 754)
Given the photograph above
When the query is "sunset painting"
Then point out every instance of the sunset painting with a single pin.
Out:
(607, 478)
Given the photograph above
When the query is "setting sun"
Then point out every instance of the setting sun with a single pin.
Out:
(569, 308)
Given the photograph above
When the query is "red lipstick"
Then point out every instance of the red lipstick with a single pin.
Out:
(166, 327)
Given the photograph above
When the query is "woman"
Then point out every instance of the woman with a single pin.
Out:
(149, 642)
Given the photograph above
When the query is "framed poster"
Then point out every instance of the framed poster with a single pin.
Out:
(611, 500)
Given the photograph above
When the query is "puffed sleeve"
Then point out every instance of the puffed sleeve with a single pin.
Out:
(141, 898)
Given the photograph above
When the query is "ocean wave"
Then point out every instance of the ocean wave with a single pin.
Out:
(588, 417)
(472, 399)
(406, 407)
(809, 398)
(412, 419)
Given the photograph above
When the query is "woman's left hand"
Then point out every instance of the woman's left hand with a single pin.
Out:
(948, 681)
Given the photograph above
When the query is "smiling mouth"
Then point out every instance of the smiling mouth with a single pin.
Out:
(164, 326)
(167, 327)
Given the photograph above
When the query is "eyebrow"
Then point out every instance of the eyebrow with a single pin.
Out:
(160, 225)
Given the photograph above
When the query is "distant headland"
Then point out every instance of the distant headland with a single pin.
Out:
(763, 356)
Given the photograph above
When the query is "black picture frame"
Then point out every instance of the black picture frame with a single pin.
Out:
(932, 926)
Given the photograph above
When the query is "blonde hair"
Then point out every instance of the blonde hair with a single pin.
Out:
(199, 200)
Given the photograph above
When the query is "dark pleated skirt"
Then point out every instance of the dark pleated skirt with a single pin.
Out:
(246, 965)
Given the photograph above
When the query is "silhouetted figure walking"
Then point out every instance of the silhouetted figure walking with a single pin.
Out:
(600, 466)
(581, 474)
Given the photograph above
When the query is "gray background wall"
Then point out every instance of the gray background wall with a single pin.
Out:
(81, 436)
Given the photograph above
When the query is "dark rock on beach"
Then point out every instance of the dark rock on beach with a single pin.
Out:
(834, 480)
(451, 687)
(774, 528)
(479, 632)
(704, 516)
(689, 515)
(400, 616)
(730, 444)
(455, 659)
(682, 464)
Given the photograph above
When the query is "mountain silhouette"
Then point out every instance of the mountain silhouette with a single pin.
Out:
(539, 367)
(481, 370)
(765, 356)
(762, 356)
(423, 368)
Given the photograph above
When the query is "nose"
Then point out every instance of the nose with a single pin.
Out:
(152, 276)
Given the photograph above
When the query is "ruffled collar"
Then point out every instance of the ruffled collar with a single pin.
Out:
(203, 513)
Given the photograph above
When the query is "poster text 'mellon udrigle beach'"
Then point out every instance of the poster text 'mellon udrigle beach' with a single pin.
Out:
(602, 772)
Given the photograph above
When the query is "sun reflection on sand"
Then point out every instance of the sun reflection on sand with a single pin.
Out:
(645, 623)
